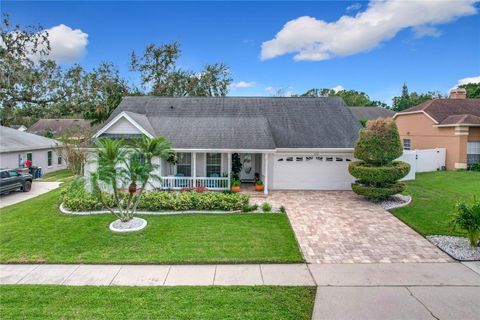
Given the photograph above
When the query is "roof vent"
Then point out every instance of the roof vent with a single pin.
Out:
(171, 107)
(458, 93)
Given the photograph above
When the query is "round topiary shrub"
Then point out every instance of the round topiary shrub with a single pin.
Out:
(377, 193)
(379, 142)
(385, 174)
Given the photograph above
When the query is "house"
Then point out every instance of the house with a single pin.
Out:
(59, 127)
(292, 143)
(16, 147)
(452, 123)
(363, 114)
(19, 127)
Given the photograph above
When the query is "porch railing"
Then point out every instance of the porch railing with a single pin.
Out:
(179, 183)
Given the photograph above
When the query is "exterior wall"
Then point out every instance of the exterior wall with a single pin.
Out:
(123, 126)
(423, 135)
(39, 159)
(474, 134)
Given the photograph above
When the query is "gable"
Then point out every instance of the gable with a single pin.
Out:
(123, 126)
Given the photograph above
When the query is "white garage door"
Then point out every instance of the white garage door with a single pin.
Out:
(306, 172)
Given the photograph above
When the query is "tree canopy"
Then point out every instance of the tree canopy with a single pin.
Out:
(352, 98)
(473, 90)
(407, 100)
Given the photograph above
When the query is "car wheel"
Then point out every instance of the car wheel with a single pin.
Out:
(27, 186)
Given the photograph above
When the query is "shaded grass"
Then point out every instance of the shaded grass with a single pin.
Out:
(63, 302)
(35, 231)
(434, 197)
(60, 175)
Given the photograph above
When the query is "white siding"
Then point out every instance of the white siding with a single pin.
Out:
(123, 126)
(39, 159)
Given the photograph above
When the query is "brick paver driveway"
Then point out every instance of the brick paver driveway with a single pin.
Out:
(340, 227)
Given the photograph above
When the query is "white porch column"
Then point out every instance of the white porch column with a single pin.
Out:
(229, 169)
(265, 183)
(194, 171)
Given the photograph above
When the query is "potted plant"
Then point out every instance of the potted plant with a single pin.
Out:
(236, 185)
(259, 185)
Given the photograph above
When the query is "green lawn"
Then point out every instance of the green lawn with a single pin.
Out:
(434, 197)
(36, 231)
(60, 175)
(63, 302)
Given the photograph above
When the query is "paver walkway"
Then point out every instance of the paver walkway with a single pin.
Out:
(38, 188)
(341, 227)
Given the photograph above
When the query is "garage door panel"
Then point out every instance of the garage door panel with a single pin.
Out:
(311, 173)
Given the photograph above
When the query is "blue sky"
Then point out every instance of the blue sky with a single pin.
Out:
(429, 50)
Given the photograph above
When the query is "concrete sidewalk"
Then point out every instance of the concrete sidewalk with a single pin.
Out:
(38, 188)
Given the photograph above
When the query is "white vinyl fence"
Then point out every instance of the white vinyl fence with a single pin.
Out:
(425, 160)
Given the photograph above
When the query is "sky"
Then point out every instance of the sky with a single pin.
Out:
(371, 46)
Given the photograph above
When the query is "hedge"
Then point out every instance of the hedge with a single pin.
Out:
(76, 199)
(376, 193)
(386, 174)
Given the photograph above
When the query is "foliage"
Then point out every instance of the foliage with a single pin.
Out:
(352, 98)
(282, 209)
(407, 100)
(72, 148)
(121, 163)
(388, 173)
(76, 198)
(468, 219)
(473, 90)
(249, 207)
(475, 167)
(236, 166)
(236, 183)
(379, 142)
(158, 68)
(259, 183)
(363, 122)
(266, 207)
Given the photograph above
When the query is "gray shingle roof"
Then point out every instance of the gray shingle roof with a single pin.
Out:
(13, 140)
(247, 122)
(371, 113)
(58, 127)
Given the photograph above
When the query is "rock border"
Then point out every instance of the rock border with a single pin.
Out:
(388, 204)
(95, 212)
(143, 224)
(456, 247)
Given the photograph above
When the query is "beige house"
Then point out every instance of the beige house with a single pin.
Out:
(452, 123)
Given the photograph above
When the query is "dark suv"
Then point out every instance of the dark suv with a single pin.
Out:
(11, 180)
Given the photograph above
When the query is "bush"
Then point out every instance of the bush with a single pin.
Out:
(76, 198)
(377, 193)
(282, 209)
(468, 219)
(266, 207)
(249, 208)
(379, 142)
(386, 174)
(475, 167)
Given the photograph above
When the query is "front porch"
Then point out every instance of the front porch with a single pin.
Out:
(212, 170)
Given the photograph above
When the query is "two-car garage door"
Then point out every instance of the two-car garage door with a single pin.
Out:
(311, 172)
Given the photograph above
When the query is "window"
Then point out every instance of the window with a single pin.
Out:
(13, 173)
(406, 144)
(184, 164)
(329, 159)
(59, 160)
(338, 159)
(281, 159)
(319, 158)
(473, 152)
(308, 158)
(30, 156)
(4, 175)
(214, 164)
(290, 159)
(49, 158)
(299, 159)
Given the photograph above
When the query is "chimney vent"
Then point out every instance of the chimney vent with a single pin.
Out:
(458, 93)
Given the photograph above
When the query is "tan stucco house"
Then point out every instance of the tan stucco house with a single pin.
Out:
(452, 123)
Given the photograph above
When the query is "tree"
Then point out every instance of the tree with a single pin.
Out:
(352, 98)
(468, 218)
(473, 90)
(378, 145)
(407, 100)
(158, 70)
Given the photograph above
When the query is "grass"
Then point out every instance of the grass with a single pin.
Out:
(35, 231)
(60, 175)
(434, 197)
(64, 302)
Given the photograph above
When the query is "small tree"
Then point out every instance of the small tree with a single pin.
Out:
(127, 163)
(378, 145)
(468, 219)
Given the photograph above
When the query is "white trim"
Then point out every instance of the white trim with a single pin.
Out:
(224, 150)
(116, 119)
(460, 165)
(304, 150)
(414, 112)
(457, 125)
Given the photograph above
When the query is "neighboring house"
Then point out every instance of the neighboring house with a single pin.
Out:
(363, 114)
(59, 127)
(292, 143)
(452, 123)
(19, 127)
(17, 147)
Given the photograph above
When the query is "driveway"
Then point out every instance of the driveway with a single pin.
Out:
(341, 227)
(38, 188)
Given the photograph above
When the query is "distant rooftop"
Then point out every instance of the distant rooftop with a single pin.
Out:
(371, 113)
(13, 140)
(59, 127)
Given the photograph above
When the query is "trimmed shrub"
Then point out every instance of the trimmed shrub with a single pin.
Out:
(386, 174)
(266, 207)
(376, 193)
(249, 208)
(379, 142)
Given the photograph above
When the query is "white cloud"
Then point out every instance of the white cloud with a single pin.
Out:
(467, 80)
(313, 39)
(243, 84)
(353, 7)
(338, 88)
(67, 44)
(426, 31)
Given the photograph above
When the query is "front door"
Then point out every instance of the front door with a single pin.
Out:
(248, 167)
